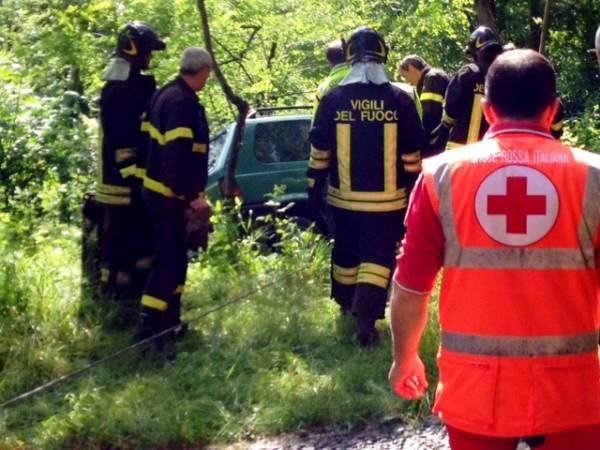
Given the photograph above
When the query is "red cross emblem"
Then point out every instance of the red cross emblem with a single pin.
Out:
(516, 205)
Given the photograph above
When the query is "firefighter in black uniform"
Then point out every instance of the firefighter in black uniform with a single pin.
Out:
(366, 138)
(431, 84)
(176, 175)
(462, 119)
(125, 233)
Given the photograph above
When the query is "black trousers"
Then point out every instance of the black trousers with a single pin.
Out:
(126, 243)
(169, 268)
(363, 258)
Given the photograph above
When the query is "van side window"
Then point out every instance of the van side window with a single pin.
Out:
(282, 141)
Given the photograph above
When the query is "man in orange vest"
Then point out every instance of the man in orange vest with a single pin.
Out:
(515, 222)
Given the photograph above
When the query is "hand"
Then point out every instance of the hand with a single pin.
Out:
(439, 136)
(407, 378)
(199, 204)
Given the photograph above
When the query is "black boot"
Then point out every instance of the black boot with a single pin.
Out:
(150, 323)
(173, 319)
(366, 333)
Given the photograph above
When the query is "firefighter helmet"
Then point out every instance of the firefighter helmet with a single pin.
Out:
(137, 39)
(482, 38)
(366, 43)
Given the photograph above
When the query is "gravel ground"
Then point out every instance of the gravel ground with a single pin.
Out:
(431, 435)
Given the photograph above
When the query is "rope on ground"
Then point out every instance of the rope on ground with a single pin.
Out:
(77, 373)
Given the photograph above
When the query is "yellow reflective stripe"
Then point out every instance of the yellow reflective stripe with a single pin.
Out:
(369, 278)
(432, 96)
(145, 126)
(418, 104)
(128, 171)
(179, 289)
(344, 275)
(476, 117)
(317, 164)
(140, 173)
(354, 205)
(179, 132)
(113, 189)
(344, 279)
(112, 199)
(122, 154)
(376, 196)
(123, 278)
(104, 275)
(375, 274)
(199, 148)
(170, 135)
(376, 269)
(557, 126)
(411, 157)
(144, 263)
(452, 145)
(319, 154)
(390, 152)
(343, 155)
(344, 270)
(160, 188)
(412, 167)
(154, 303)
(311, 182)
(447, 119)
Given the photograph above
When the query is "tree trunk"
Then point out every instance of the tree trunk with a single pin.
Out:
(545, 27)
(534, 26)
(240, 103)
(486, 13)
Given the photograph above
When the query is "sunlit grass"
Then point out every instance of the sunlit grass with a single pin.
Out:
(279, 360)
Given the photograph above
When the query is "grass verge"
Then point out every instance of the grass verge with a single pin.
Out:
(278, 361)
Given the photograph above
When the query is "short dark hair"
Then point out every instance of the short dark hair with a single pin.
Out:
(520, 84)
(413, 60)
(335, 52)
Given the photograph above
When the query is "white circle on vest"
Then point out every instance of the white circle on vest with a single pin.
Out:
(516, 205)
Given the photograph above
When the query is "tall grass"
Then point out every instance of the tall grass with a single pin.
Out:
(279, 360)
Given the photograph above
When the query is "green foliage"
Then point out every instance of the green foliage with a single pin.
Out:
(277, 360)
(52, 53)
(44, 153)
(584, 130)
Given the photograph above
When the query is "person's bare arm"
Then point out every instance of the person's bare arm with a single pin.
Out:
(408, 319)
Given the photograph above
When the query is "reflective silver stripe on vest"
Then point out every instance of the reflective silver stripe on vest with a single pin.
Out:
(519, 346)
(520, 258)
(589, 223)
(514, 257)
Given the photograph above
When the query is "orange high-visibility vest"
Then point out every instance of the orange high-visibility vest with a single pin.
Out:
(519, 301)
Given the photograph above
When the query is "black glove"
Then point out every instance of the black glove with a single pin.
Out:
(439, 137)
(198, 227)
